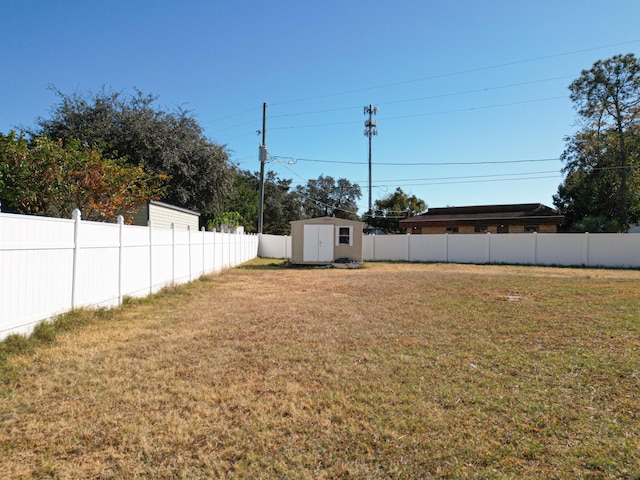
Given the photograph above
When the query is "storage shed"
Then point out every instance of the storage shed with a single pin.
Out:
(321, 241)
(162, 215)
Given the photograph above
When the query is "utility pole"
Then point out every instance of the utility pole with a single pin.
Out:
(369, 131)
(263, 156)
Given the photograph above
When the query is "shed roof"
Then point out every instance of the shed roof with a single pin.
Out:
(173, 207)
(327, 221)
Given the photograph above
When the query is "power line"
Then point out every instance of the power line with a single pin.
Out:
(235, 126)
(489, 177)
(438, 181)
(485, 89)
(485, 107)
(488, 162)
(400, 180)
(450, 74)
(251, 110)
(430, 97)
(480, 181)
(432, 77)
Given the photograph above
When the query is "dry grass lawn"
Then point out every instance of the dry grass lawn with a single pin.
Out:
(391, 371)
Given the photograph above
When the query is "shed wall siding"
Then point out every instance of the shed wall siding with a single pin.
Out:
(163, 218)
(297, 242)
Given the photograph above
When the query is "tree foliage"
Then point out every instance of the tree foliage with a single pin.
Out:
(171, 143)
(45, 177)
(602, 159)
(281, 204)
(391, 209)
(326, 197)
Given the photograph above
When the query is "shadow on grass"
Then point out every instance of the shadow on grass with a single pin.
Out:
(265, 264)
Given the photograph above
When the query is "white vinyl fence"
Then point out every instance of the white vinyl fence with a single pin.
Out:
(274, 246)
(615, 250)
(49, 266)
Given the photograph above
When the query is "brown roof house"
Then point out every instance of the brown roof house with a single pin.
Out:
(515, 218)
(325, 240)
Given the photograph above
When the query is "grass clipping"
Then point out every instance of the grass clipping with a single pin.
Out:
(392, 371)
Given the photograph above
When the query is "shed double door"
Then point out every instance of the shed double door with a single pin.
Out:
(318, 243)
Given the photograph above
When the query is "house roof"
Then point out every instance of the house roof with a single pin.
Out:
(510, 214)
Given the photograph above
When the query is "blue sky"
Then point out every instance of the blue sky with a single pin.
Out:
(472, 96)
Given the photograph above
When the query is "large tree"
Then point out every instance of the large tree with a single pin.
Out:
(43, 177)
(601, 160)
(166, 142)
(281, 204)
(391, 209)
(326, 197)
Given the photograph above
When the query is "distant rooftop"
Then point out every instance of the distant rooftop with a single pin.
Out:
(511, 213)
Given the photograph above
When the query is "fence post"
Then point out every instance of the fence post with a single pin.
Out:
(189, 232)
(373, 249)
(173, 253)
(120, 261)
(446, 247)
(408, 247)
(587, 252)
(150, 225)
(204, 265)
(489, 247)
(77, 216)
(213, 249)
(535, 248)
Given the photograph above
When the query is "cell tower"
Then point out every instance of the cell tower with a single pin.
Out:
(370, 129)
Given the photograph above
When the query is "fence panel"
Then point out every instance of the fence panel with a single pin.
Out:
(48, 266)
(468, 248)
(180, 256)
(614, 250)
(161, 258)
(427, 248)
(513, 249)
(390, 247)
(218, 254)
(36, 264)
(274, 246)
(136, 264)
(561, 249)
(97, 265)
(367, 248)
